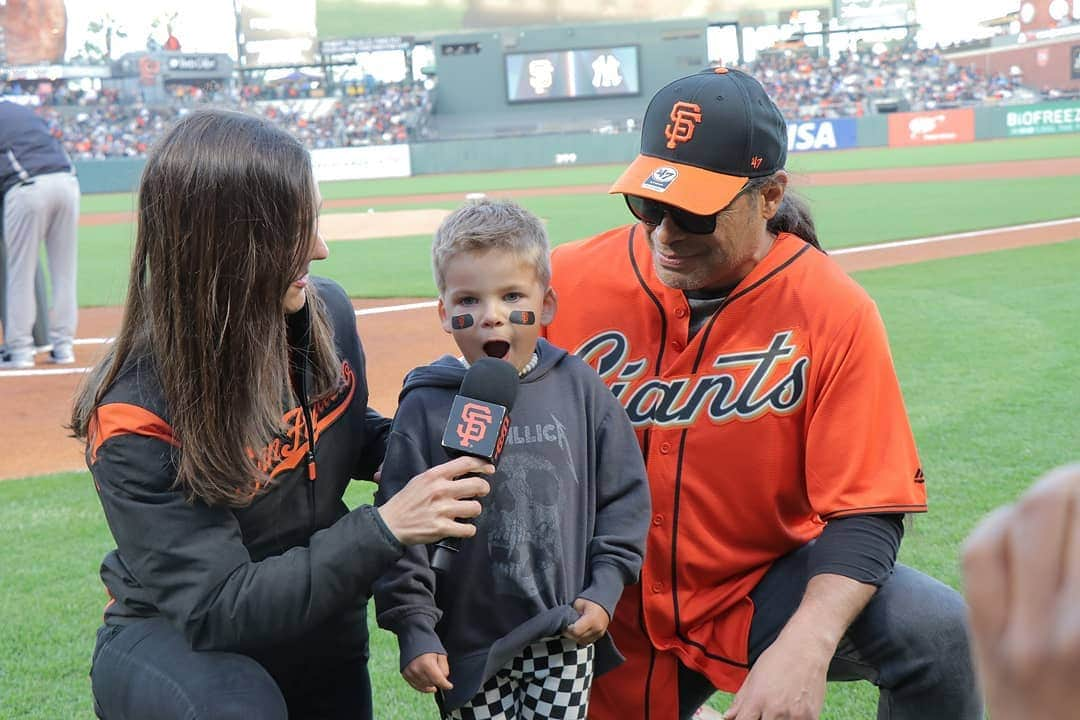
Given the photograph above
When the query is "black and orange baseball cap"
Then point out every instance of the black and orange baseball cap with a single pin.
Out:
(702, 138)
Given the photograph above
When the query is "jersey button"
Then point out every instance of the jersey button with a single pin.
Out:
(680, 312)
(665, 448)
(658, 520)
(658, 587)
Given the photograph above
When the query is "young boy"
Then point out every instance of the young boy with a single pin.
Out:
(517, 626)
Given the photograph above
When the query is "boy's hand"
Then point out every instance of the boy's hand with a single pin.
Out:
(592, 624)
(428, 672)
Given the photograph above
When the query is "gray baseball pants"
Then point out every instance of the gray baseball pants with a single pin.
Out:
(43, 211)
(41, 321)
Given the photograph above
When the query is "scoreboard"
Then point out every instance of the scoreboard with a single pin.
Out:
(572, 74)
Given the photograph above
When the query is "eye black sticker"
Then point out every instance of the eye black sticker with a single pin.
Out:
(523, 317)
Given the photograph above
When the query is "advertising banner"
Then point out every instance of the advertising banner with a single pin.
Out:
(873, 13)
(361, 163)
(1043, 119)
(348, 50)
(932, 127)
(277, 33)
(831, 134)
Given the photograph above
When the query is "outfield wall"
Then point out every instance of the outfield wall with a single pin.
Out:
(536, 151)
(474, 95)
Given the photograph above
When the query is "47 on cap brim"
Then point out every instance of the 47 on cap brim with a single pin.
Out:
(685, 186)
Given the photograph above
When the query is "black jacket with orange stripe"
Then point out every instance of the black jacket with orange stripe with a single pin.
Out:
(284, 578)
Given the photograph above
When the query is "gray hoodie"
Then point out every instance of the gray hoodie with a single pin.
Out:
(566, 518)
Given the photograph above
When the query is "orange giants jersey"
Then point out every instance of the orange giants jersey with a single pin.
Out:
(782, 412)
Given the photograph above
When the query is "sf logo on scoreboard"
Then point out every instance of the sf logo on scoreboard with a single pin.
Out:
(541, 75)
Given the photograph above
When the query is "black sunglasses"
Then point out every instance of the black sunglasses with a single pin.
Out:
(651, 212)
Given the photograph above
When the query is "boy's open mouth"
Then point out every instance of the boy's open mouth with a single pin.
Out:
(497, 348)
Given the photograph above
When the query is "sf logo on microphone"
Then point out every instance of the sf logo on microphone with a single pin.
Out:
(475, 421)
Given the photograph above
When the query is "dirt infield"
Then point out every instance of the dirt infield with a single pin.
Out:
(387, 224)
(37, 406)
(37, 403)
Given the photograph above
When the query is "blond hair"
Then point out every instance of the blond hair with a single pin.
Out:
(482, 225)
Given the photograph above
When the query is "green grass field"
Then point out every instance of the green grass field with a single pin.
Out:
(1034, 148)
(846, 215)
(985, 348)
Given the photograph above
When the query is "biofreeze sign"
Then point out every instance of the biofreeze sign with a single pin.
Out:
(1046, 119)
(821, 134)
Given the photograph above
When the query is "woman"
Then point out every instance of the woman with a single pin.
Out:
(239, 582)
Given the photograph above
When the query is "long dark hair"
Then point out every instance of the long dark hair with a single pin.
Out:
(793, 216)
(227, 218)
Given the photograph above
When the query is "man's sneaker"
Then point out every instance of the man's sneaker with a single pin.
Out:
(62, 355)
(13, 361)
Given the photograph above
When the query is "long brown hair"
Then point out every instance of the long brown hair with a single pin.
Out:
(226, 222)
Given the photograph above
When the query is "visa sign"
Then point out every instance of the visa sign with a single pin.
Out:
(832, 134)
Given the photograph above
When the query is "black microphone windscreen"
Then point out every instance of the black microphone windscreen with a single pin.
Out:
(478, 424)
(491, 380)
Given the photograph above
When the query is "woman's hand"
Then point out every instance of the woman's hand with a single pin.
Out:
(429, 507)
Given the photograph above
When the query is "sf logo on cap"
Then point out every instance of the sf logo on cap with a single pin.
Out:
(684, 118)
(475, 420)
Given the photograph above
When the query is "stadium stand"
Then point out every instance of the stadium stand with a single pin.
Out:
(808, 87)
(107, 123)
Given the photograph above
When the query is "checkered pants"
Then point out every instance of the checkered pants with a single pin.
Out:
(550, 679)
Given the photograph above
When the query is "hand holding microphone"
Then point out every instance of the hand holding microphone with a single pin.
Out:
(477, 426)
(428, 507)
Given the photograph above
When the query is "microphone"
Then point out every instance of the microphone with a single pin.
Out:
(477, 426)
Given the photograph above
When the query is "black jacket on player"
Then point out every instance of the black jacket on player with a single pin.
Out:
(287, 576)
(26, 147)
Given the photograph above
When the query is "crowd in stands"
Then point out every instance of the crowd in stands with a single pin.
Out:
(806, 86)
(294, 86)
(394, 114)
(95, 124)
(107, 124)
